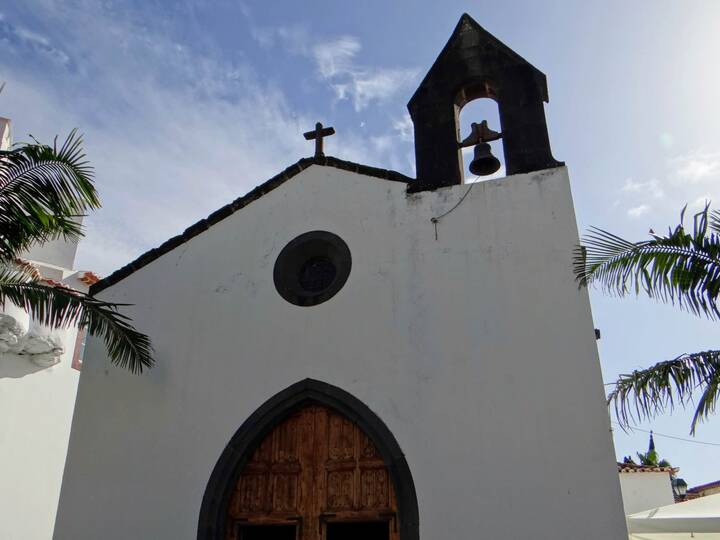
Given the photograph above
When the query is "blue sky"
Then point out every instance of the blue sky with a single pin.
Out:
(186, 105)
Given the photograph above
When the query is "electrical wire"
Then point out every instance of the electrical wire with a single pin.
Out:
(435, 220)
(656, 434)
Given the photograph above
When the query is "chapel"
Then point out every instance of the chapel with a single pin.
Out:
(348, 353)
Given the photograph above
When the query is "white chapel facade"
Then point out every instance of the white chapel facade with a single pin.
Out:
(346, 352)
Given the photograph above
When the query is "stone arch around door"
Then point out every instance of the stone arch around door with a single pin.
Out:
(307, 393)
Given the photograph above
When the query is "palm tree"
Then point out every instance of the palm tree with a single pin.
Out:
(43, 190)
(651, 459)
(682, 268)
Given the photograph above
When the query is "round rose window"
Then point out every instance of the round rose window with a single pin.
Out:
(312, 268)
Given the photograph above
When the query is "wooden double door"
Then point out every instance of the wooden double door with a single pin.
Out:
(315, 476)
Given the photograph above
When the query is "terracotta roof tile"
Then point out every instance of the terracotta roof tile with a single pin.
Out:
(89, 278)
(634, 468)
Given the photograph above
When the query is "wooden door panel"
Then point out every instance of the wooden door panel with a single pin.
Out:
(374, 489)
(313, 467)
(285, 493)
(341, 438)
(251, 495)
(340, 487)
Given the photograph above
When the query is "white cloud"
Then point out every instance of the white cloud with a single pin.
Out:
(638, 211)
(335, 57)
(382, 143)
(20, 37)
(378, 84)
(651, 188)
(404, 127)
(690, 179)
(294, 39)
(335, 61)
(700, 203)
(31, 37)
(697, 166)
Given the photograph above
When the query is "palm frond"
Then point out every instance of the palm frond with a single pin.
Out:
(649, 458)
(715, 221)
(59, 307)
(648, 392)
(43, 191)
(682, 267)
(19, 271)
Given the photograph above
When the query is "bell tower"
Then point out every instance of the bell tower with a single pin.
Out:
(474, 64)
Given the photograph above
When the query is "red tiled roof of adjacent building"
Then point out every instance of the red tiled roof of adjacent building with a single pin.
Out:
(703, 487)
(635, 468)
(89, 278)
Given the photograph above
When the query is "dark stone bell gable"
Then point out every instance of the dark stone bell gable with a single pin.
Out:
(474, 64)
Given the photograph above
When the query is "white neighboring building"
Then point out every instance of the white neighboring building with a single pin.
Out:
(645, 487)
(39, 373)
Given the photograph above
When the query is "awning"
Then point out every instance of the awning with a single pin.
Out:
(698, 519)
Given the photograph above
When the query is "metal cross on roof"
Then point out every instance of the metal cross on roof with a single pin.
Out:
(318, 134)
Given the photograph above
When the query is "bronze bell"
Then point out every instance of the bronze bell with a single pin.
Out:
(484, 163)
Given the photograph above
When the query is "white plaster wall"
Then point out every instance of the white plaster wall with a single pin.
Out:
(646, 490)
(37, 408)
(59, 252)
(476, 349)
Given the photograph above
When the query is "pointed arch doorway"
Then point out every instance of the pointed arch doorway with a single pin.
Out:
(312, 473)
(312, 463)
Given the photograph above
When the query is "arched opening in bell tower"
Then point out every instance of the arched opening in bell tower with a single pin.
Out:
(475, 111)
